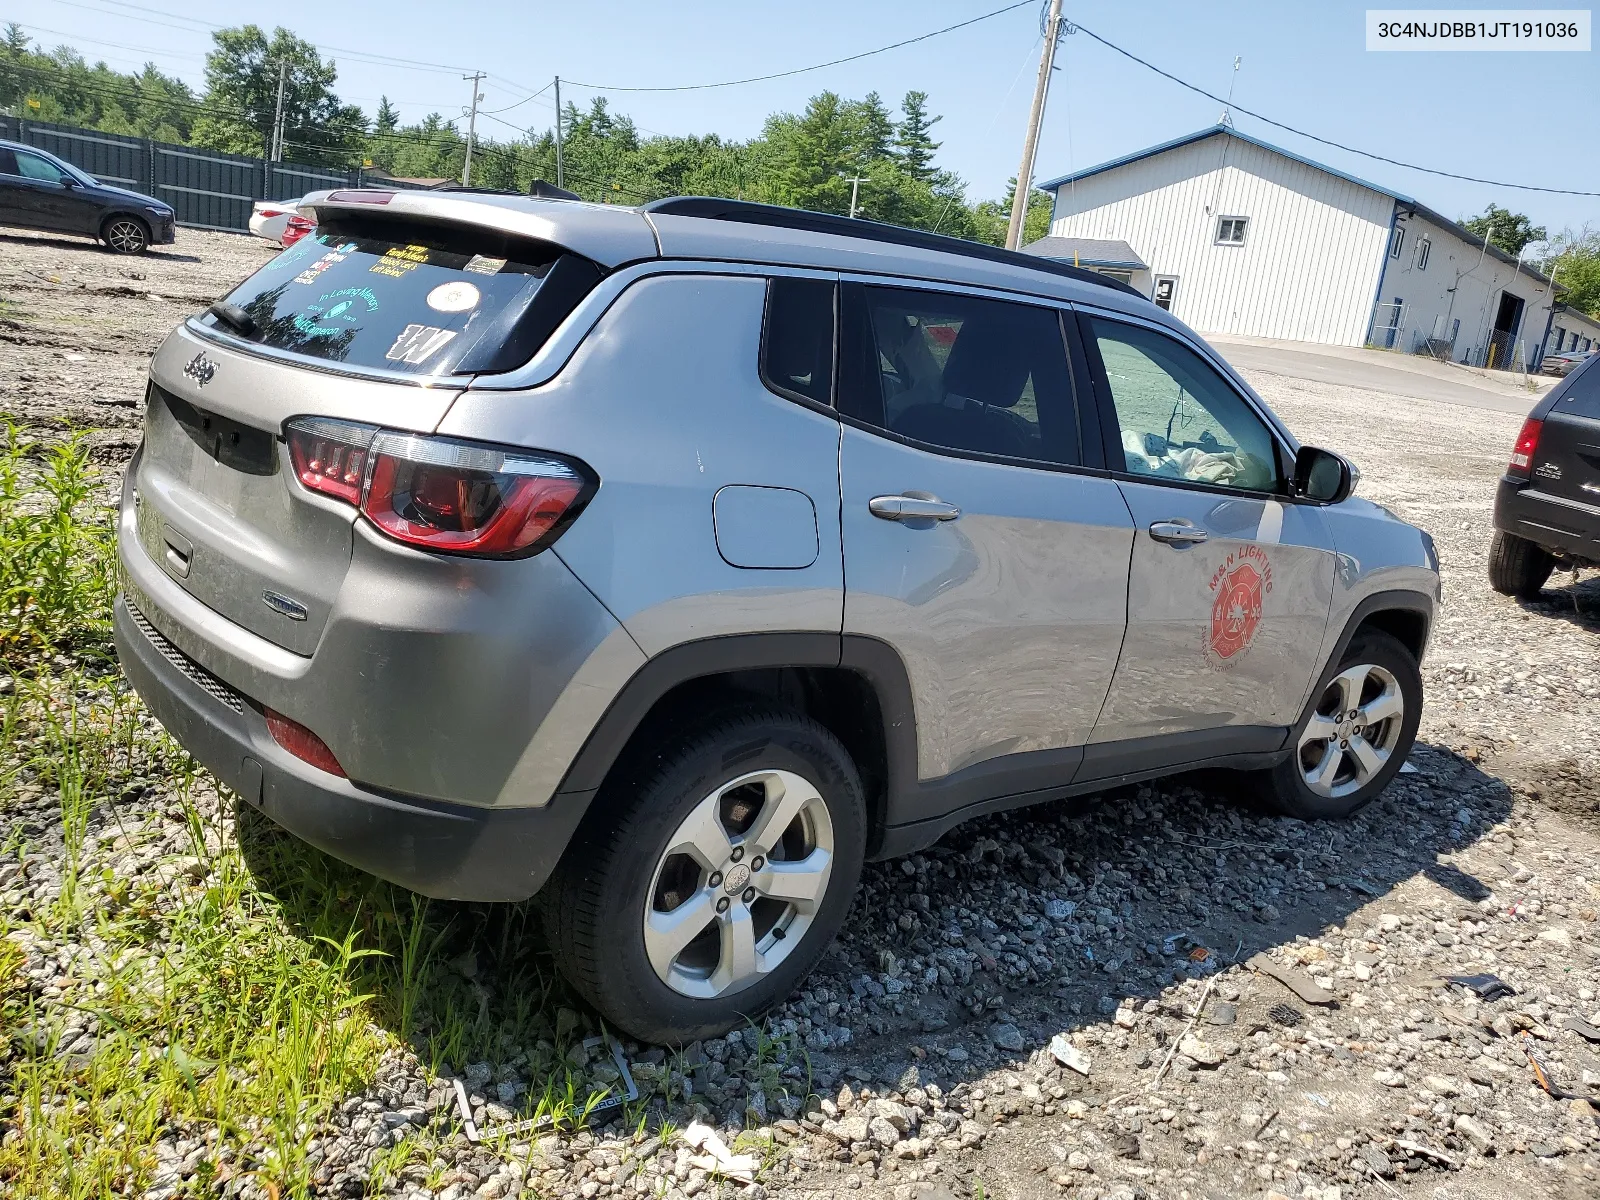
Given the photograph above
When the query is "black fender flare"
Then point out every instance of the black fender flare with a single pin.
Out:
(875, 661)
(1399, 600)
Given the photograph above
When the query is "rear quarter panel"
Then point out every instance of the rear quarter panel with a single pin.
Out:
(663, 399)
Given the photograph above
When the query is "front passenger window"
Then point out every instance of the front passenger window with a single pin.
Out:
(1179, 419)
(31, 166)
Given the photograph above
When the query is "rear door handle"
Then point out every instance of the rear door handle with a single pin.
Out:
(1178, 532)
(912, 508)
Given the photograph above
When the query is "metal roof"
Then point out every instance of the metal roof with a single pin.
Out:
(1399, 198)
(1088, 252)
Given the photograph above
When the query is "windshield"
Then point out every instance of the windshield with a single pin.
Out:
(416, 300)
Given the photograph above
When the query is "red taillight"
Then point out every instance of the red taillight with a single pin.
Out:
(296, 229)
(1527, 443)
(302, 743)
(438, 493)
(330, 456)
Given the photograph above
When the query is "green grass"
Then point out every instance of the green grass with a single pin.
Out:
(238, 993)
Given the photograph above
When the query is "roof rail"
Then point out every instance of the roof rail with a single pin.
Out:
(715, 209)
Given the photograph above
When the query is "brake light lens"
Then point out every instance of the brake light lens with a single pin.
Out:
(296, 229)
(330, 456)
(1527, 444)
(439, 493)
(302, 743)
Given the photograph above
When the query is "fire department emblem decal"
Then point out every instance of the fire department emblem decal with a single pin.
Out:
(1238, 589)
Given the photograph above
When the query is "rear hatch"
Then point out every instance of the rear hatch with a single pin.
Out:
(1566, 465)
(369, 320)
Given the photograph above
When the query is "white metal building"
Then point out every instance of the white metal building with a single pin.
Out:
(1243, 237)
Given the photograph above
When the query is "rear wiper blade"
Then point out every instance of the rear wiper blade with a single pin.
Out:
(234, 317)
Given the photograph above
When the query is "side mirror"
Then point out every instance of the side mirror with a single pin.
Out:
(1322, 476)
(68, 182)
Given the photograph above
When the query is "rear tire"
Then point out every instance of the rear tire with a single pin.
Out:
(126, 235)
(1354, 735)
(1517, 567)
(710, 876)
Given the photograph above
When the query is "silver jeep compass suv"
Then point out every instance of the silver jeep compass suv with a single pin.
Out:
(670, 562)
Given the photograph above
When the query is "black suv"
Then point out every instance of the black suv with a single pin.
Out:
(1548, 507)
(39, 191)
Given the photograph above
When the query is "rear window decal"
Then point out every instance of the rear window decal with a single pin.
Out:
(457, 296)
(397, 261)
(480, 264)
(336, 312)
(417, 343)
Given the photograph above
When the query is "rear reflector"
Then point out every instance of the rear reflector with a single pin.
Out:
(439, 493)
(1527, 444)
(302, 743)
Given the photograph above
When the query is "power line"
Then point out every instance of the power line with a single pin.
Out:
(696, 87)
(1074, 26)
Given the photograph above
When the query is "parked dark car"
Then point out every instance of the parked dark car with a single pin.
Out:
(40, 191)
(1548, 509)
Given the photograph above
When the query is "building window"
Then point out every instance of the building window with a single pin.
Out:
(1423, 247)
(1230, 230)
(1397, 239)
(1166, 291)
(1114, 273)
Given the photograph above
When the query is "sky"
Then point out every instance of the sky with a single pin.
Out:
(1516, 117)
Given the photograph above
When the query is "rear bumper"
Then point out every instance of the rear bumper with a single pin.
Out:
(447, 851)
(1568, 528)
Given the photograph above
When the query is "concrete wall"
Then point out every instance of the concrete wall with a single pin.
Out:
(1308, 269)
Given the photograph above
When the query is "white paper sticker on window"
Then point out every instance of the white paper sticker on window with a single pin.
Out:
(454, 297)
(480, 264)
(417, 343)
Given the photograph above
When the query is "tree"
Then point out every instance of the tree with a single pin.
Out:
(388, 118)
(912, 143)
(1508, 230)
(16, 40)
(1575, 260)
(242, 76)
(994, 216)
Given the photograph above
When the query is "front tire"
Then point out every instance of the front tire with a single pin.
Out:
(1517, 567)
(1355, 733)
(126, 235)
(708, 879)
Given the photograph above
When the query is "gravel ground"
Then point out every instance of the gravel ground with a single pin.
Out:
(1156, 994)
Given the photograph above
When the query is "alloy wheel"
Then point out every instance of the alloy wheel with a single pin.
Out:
(1353, 732)
(125, 237)
(740, 882)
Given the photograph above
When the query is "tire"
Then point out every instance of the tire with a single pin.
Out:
(1517, 567)
(1378, 678)
(648, 850)
(125, 235)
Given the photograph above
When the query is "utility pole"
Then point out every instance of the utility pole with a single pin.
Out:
(472, 126)
(561, 174)
(855, 190)
(1030, 144)
(275, 151)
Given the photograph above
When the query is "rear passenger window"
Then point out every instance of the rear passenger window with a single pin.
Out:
(415, 297)
(797, 339)
(961, 372)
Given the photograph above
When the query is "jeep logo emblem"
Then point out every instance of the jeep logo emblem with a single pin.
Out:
(200, 369)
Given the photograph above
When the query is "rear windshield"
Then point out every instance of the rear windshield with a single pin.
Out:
(426, 300)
